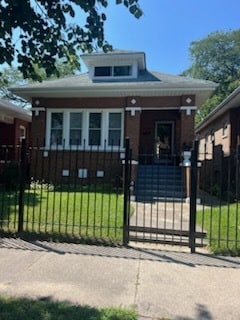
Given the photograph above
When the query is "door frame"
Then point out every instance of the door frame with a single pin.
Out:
(157, 158)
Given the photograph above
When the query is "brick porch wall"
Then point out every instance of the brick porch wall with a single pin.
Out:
(187, 129)
(49, 166)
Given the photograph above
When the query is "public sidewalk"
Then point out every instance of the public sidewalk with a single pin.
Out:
(162, 282)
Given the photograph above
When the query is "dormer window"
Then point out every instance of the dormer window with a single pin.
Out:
(121, 71)
(116, 65)
(103, 71)
(113, 71)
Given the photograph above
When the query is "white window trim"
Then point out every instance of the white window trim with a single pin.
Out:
(133, 75)
(85, 129)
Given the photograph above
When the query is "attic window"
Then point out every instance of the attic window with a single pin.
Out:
(113, 71)
(122, 71)
(103, 71)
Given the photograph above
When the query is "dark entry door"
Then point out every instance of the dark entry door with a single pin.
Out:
(163, 148)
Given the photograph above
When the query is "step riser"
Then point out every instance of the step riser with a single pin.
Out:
(159, 182)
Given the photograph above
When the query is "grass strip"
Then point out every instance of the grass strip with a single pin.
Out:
(222, 224)
(46, 309)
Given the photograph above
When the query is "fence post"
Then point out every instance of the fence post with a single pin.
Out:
(22, 184)
(193, 197)
(127, 172)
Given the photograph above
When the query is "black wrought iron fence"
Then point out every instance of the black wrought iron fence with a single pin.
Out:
(62, 192)
(219, 200)
(84, 193)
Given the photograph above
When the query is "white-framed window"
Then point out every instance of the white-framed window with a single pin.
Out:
(114, 128)
(78, 128)
(113, 71)
(75, 128)
(56, 133)
(94, 128)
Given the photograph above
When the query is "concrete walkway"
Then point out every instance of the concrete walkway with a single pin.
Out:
(160, 281)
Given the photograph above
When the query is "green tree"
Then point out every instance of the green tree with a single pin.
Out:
(12, 76)
(216, 58)
(37, 33)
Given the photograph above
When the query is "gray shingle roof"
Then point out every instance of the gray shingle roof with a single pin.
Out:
(148, 83)
(12, 110)
(145, 77)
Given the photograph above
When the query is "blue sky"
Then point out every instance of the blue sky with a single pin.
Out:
(168, 27)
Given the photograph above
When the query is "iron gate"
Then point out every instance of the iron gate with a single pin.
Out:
(156, 209)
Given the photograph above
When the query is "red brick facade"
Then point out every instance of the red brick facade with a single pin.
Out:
(140, 117)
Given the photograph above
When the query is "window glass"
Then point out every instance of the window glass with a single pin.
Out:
(114, 132)
(56, 128)
(116, 71)
(75, 136)
(69, 126)
(102, 71)
(122, 71)
(95, 120)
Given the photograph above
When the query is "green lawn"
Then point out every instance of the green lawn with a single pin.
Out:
(223, 228)
(86, 214)
(29, 309)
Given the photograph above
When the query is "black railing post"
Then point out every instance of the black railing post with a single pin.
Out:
(22, 183)
(127, 172)
(193, 197)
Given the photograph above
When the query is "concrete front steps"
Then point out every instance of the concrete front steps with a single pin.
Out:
(159, 182)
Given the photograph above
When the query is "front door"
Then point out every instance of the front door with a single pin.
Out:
(163, 147)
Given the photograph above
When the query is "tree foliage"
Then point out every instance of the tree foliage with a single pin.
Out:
(216, 58)
(37, 33)
(12, 76)
(9, 77)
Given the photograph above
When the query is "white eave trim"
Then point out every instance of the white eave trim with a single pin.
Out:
(105, 91)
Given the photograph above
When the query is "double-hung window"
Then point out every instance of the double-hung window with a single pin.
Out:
(75, 128)
(56, 136)
(84, 128)
(114, 128)
(95, 125)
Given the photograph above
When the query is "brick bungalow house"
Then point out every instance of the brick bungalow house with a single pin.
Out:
(117, 98)
(219, 138)
(15, 124)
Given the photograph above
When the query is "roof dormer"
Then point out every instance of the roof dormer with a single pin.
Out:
(114, 65)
